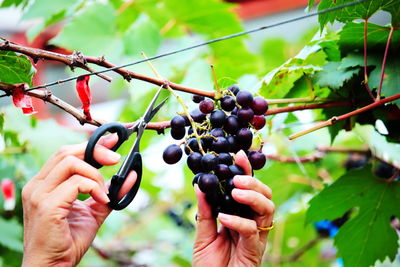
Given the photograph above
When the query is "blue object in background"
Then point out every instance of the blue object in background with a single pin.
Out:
(326, 228)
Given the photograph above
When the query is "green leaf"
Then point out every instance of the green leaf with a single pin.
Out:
(15, 69)
(9, 3)
(89, 31)
(394, 10)
(352, 36)
(372, 237)
(45, 9)
(11, 234)
(333, 76)
(142, 36)
(363, 10)
(1, 122)
(391, 81)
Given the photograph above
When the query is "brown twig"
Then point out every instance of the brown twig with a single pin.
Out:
(343, 103)
(284, 159)
(76, 59)
(335, 119)
(297, 254)
(378, 94)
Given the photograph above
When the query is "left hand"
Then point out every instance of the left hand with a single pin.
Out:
(238, 242)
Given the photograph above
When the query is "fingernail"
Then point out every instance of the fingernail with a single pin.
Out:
(224, 217)
(105, 197)
(238, 192)
(241, 179)
(114, 156)
(106, 189)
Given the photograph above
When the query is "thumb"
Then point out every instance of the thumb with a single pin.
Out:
(206, 231)
(242, 161)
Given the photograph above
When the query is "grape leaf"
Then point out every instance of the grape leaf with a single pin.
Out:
(1, 122)
(9, 3)
(45, 9)
(394, 10)
(11, 234)
(352, 36)
(372, 237)
(333, 76)
(391, 81)
(363, 10)
(15, 69)
(142, 36)
(88, 31)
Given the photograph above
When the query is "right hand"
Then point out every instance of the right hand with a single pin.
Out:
(59, 228)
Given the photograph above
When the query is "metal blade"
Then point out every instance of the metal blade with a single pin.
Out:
(149, 109)
(155, 110)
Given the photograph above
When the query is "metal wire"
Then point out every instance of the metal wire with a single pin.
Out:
(201, 44)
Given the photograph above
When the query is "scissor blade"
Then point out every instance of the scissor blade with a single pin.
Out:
(151, 105)
(155, 110)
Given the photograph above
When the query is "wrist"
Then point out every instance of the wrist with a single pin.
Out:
(38, 261)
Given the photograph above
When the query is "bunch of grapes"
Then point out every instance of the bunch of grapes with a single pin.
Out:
(223, 127)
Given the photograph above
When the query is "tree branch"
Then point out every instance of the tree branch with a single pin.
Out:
(335, 119)
(76, 59)
(343, 103)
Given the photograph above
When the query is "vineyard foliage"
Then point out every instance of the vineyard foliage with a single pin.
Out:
(327, 65)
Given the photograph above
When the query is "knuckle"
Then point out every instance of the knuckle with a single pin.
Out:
(63, 151)
(25, 193)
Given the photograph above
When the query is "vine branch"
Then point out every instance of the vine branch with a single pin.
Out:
(335, 119)
(366, 60)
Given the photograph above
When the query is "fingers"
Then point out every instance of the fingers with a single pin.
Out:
(68, 167)
(101, 154)
(242, 161)
(206, 223)
(257, 202)
(101, 211)
(251, 183)
(67, 192)
(246, 228)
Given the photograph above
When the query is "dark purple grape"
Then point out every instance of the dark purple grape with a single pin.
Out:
(196, 178)
(190, 130)
(178, 122)
(233, 145)
(197, 98)
(172, 154)
(223, 172)
(258, 122)
(216, 132)
(257, 160)
(194, 162)
(187, 121)
(228, 204)
(231, 124)
(220, 145)
(236, 170)
(225, 158)
(228, 103)
(208, 183)
(234, 89)
(259, 105)
(245, 115)
(234, 111)
(206, 142)
(217, 118)
(178, 133)
(209, 162)
(198, 116)
(244, 135)
(194, 146)
(244, 98)
(229, 185)
(206, 106)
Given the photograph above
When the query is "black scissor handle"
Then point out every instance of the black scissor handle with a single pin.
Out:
(135, 164)
(112, 127)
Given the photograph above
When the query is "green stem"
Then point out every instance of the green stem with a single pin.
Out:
(366, 60)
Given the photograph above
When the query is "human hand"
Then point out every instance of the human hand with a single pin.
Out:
(238, 242)
(58, 228)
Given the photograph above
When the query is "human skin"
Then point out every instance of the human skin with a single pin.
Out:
(59, 228)
(238, 241)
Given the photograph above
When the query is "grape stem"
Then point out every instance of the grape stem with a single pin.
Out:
(366, 60)
(335, 119)
(179, 99)
(218, 95)
(378, 94)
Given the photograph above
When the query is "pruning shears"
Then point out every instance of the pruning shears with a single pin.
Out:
(134, 159)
